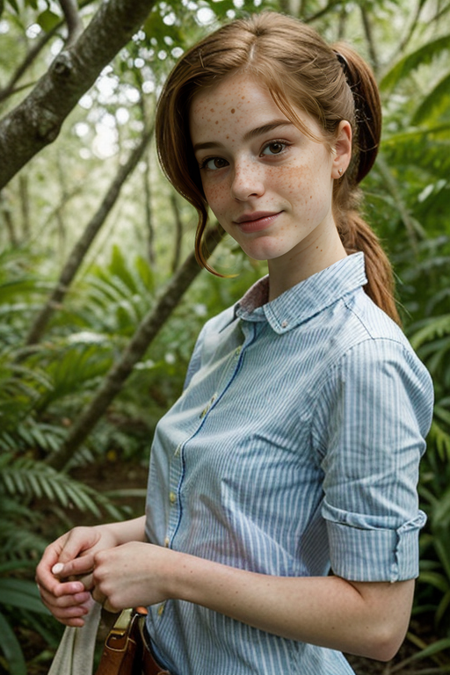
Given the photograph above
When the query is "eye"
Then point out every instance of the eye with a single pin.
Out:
(274, 148)
(213, 163)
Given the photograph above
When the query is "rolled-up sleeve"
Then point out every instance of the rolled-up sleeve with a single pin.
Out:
(372, 416)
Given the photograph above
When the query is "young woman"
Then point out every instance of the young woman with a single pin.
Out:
(282, 517)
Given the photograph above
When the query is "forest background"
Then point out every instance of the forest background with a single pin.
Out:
(100, 296)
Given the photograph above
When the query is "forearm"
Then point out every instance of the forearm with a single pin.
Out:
(326, 611)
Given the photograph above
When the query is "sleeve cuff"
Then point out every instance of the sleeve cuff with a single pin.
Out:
(375, 554)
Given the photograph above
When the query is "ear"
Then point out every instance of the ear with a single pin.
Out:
(342, 150)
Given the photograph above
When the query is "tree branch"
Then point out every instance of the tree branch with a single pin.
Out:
(30, 58)
(178, 233)
(73, 20)
(80, 249)
(369, 37)
(407, 38)
(318, 15)
(138, 345)
(26, 63)
(37, 120)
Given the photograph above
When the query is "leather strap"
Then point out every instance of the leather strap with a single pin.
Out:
(125, 651)
(149, 665)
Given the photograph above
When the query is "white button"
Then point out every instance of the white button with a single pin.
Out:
(284, 324)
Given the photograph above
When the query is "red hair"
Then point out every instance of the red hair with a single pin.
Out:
(301, 71)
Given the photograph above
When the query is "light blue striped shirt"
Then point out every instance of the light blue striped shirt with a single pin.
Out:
(294, 449)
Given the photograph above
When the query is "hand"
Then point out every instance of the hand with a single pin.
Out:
(130, 575)
(66, 596)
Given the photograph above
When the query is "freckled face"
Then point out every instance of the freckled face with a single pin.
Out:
(268, 184)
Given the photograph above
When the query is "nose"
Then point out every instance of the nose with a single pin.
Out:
(247, 181)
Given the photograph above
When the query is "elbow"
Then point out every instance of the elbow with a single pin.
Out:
(384, 643)
(386, 650)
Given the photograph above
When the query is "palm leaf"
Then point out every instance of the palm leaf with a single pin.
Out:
(409, 63)
(436, 327)
(11, 648)
(437, 100)
(21, 593)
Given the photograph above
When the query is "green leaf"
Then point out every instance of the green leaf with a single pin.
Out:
(11, 649)
(441, 611)
(14, 5)
(407, 64)
(437, 99)
(48, 20)
(434, 579)
(431, 650)
(437, 326)
(21, 593)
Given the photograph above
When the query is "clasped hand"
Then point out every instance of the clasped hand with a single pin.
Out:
(88, 563)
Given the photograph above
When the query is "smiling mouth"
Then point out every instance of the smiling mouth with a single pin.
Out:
(254, 222)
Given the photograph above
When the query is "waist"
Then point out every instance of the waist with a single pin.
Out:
(150, 666)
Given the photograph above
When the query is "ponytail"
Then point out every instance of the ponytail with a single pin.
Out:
(355, 233)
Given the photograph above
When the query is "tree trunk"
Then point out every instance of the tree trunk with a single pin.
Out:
(148, 213)
(5, 210)
(138, 345)
(178, 233)
(80, 249)
(37, 120)
(25, 206)
(369, 37)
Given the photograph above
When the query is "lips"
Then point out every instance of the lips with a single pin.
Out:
(256, 221)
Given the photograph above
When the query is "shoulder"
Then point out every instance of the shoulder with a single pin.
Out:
(374, 369)
(363, 331)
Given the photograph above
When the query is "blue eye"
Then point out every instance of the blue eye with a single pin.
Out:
(214, 163)
(274, 148)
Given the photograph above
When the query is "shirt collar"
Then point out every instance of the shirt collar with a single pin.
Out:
(304, 300)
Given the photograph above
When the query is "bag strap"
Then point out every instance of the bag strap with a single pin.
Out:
(123, 650)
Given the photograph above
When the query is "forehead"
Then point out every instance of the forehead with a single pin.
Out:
(238, 104)
(231, 101)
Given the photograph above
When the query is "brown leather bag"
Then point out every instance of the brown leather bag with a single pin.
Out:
(125, 652)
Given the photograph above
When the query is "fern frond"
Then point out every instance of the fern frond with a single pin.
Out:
(441, 439)
(407, 64)
(34, 480)
(436, 327)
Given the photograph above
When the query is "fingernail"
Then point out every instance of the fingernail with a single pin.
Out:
(58, 568)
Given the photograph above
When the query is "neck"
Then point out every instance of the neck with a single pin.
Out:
(298, 265)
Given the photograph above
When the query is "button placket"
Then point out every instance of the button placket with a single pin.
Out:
(177, 468)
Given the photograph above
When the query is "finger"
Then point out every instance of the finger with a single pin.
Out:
(66, 600)
(80, 539)
(74, 568)
(109, 608)
(60, 589)
(71, 613)
(99, 597)
(44, 575)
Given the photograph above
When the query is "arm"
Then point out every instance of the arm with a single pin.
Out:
(66, 597)
(369, 619)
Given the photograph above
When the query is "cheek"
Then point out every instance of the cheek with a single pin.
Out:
(216, 195)
(296, 184)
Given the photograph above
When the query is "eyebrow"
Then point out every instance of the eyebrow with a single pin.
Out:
(253, 133)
